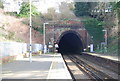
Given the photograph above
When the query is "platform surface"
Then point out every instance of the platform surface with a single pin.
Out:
(49, 66)
(110, 57)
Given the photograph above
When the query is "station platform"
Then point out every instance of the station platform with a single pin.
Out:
(114, 58)
(46, 66)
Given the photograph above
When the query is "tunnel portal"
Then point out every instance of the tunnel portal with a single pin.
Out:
(70, 43)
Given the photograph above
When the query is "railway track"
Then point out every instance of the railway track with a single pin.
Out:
(106, 63)
(94, 74)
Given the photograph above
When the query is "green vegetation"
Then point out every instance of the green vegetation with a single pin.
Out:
(37, 24)
(95, 19)
(25, 10)
(116, 8)
(11, 13)
(83, 8)
(93, 25)
(111, 50)
(113, 45)
(39, 29)
(1, 4)
(10, 37)
(7, 35)
(94, 28)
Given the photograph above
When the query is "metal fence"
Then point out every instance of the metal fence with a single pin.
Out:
(15, 48)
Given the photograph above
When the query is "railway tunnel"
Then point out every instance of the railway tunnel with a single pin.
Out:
(70, 43)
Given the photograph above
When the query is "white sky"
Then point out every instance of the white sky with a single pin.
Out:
(45, 4)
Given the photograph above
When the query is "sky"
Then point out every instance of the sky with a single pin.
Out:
(43, 5)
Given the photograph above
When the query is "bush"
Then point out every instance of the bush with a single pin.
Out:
(25, 10)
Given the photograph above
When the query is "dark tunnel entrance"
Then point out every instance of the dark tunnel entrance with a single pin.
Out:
(70, 43)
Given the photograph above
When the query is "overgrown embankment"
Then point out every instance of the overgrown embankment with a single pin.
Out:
(12, 29)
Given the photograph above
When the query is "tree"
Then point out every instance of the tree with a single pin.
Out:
(82, 9)
(25, 10)
(1, 4)
(65, 11)
(51, 14)
(116, 7)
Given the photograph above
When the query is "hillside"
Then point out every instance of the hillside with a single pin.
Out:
(12, 29)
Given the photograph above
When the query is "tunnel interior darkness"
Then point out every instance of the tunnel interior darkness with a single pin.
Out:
(70, 43)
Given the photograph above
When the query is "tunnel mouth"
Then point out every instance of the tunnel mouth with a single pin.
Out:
(70, 43)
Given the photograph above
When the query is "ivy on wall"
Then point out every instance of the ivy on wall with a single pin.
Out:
(94, 28)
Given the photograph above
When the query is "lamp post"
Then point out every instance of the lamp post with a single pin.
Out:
(91, 45)
(105, 36)
(30, 52)
(44, 24)
(44, 49)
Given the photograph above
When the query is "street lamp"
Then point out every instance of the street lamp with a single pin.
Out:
(92, 39)
(91, 45)
(44, 49)
(30, 51)
(105, 36)
(44, 24)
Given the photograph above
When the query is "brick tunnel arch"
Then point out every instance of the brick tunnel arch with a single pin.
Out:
(70, 42)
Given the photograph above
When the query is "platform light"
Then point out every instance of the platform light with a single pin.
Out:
(84, 49)
(30, 52)
(105, 36)
(56, 45)
(89, 46)
(104, 30)
(44, 24)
